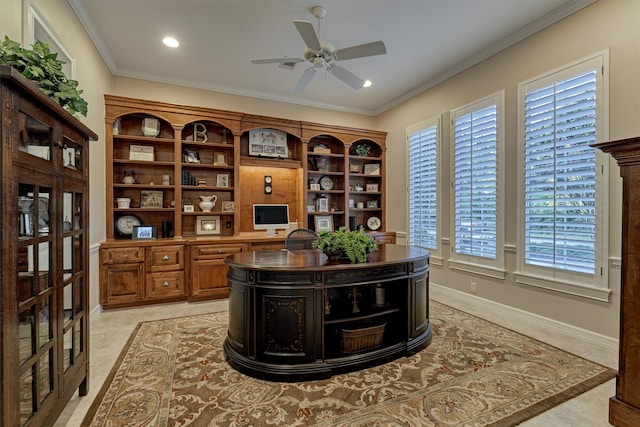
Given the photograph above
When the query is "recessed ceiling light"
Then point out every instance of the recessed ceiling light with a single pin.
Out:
(367, 83)
(170, 41)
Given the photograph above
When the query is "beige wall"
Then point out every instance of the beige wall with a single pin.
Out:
(607, 24)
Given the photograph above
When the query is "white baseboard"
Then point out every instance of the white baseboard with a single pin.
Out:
(491, 311)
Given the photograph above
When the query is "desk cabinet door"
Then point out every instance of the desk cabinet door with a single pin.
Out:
(122, 283)
(419, 308)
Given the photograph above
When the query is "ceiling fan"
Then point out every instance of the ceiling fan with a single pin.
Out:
(322, 54)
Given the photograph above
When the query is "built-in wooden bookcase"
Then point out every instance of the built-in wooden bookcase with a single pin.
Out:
(163, 159)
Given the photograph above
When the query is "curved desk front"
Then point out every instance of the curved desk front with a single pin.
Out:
(294, 315)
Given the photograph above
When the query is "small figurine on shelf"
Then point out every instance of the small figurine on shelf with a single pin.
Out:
(354, 296)
(129, 177)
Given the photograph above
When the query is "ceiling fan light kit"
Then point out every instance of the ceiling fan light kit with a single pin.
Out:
(320, 54)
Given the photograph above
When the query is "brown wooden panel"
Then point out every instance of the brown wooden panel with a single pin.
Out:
(123, 283)
(209, 279)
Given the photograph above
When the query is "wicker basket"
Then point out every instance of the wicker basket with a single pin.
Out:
(365, 338)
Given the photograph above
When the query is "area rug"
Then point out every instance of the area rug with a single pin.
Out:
(475, 373)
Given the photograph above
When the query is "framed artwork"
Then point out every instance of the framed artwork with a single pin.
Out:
(151, 199)
(189, 208)
(141, 232)
(208, 225)
(222, 180)
(314, 187)
(311, 208)
(323, 223)
(191, 156)
(372, 169)
(267, 143)
(141, 152)
(220, 159)
(353, 168)
(372, 204)
(373, 188)
(227, 206)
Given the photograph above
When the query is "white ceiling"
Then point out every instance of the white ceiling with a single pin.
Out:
(427, 41)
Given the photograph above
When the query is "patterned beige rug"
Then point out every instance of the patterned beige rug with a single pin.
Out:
(475, 373)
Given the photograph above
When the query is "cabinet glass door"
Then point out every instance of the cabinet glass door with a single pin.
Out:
(73, 274)
(35, 137)
(35, 299)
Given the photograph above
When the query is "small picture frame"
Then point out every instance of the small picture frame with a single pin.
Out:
(208, 225)
(220, 159)
(372, 169)
(144, 232)
(141, 152)
(372, 204)
(191, 156)
(222, 180)
(151, 199)
(373, 188)
(323, 223)
(314, 187)
(189, 208)
(228, 206)
(311, 208)
(354, 168)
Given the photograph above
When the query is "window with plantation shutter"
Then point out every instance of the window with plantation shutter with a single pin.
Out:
(477, 215)
(562, 176)
(423, 185)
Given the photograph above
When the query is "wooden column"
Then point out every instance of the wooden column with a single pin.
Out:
(624, 407)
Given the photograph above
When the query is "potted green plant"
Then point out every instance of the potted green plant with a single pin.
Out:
(43, 67)
(354, 245)
(362, 149)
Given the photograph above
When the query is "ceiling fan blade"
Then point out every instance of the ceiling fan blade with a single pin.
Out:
(308, 34)
(360, 51)
(346, 76)
(276, 60)
(305, 79)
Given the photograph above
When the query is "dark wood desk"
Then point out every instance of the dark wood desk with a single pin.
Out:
(292, 314)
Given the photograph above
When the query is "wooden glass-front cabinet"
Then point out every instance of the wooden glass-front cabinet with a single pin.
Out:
(44, 305)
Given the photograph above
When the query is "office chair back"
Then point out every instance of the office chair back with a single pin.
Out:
(301, 238)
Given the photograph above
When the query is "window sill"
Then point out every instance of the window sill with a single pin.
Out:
(483, 270)
(591, 292)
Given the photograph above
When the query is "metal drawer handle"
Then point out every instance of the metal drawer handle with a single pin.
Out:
(165, 283)
(165, 258)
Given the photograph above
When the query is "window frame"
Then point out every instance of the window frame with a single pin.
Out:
(436, 252)
(494, 268)
(593, 286)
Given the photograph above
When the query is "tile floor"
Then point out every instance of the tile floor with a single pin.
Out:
(110, 331)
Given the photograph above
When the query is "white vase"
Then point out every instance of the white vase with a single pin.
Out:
(207, 203)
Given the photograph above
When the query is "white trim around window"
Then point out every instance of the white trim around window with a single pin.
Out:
(424, 189)
(575, 277)
(477, 130)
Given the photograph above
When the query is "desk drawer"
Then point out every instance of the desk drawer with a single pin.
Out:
(166, 258)
(122, 255)
(214, 251)
(165, 285)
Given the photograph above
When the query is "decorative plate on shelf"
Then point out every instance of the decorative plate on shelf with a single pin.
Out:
(125, 224)
(373, 223)
(326, 183)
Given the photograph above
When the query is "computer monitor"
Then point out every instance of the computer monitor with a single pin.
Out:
(270, 217)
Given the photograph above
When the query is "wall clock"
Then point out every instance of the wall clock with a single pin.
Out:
(373, 223)
(125, 224)
(326, 183)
